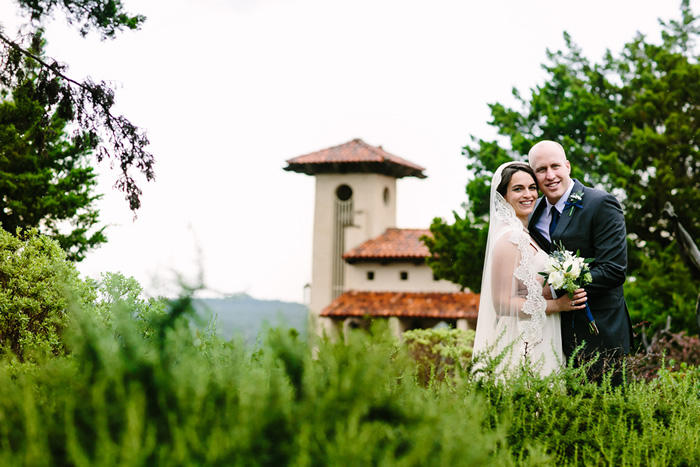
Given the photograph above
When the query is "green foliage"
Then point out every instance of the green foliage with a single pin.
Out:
(662, 288)
(585, 424)
(106, 17)
(439, 353)
(117, 294)
(454, 250)
(178, 398)
(35, 280)
(629, 125)
(45, 179)
(136, 401)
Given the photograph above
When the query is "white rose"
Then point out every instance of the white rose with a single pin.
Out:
(556, 279)
(575, 268)
(550, 265)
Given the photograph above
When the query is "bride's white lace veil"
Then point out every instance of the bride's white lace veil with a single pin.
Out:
(511, 307)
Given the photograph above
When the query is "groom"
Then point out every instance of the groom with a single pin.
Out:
(591, 221)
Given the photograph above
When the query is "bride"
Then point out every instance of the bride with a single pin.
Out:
(514, 317)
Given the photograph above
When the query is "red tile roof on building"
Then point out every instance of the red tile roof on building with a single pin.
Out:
(439, 305)
(396, 244)
(354, 156)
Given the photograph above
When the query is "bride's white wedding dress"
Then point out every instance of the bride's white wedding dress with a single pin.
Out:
(512, 319)
(546, 355)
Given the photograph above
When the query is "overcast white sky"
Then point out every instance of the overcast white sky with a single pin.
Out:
(230, 89)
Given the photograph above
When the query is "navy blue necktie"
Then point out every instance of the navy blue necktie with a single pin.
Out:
(553, 222)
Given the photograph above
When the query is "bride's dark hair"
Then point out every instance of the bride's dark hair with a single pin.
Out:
(508, 172)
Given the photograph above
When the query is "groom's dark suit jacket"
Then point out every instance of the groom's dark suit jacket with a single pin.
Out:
(597, 229)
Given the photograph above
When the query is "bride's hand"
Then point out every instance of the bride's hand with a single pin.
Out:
(547, 292)
(566, 303)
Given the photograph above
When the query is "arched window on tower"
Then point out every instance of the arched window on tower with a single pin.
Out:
(343, 217)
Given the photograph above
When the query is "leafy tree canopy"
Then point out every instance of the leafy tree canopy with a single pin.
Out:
(630, 125)
(106, 17)
(85, 105)
(37, 284)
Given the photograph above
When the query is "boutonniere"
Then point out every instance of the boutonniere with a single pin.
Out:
(574, 202)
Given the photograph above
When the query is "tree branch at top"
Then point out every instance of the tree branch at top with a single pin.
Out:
(89, 105)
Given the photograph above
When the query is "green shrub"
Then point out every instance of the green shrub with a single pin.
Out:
(117, 292)
(438, 352)
(123, 399)
(36, 281)
(587, 424)
(654, 292)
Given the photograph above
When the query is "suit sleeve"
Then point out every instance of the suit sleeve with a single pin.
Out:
(610, 245)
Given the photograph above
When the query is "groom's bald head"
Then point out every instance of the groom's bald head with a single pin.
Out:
(552, 170)
(545, 147)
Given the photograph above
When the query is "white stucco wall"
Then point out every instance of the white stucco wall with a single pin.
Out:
(372, 217)
(387, 278)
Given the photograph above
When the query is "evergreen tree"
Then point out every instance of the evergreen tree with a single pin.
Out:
(630, 125)
(85, 105)
(45, 178)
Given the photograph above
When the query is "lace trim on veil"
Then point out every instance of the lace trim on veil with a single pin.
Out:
(535, 304)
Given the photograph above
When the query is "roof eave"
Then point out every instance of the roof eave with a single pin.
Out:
(384, 168)
(385, 259)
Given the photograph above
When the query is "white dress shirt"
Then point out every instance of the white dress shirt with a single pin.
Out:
(546, 217)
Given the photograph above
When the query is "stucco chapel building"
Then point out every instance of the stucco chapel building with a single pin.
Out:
(363, 266)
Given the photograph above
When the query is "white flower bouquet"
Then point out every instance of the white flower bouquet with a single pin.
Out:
(567, 271)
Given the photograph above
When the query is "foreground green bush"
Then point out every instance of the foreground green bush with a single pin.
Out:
(178, 397)
(182, 399)
(439, 352)
(580, 423)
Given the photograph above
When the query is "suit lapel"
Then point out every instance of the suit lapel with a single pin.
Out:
(534, 233)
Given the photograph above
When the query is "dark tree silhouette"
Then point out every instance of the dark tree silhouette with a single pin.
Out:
(87, 105)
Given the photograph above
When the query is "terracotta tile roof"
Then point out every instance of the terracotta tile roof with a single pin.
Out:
(354, 156)
(392, 244)
(405, 304)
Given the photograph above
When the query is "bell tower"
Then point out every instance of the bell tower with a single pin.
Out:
(355, 201)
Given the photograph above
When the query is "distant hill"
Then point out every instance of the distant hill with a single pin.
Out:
(244, 316)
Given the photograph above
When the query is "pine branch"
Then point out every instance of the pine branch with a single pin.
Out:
(90, 106)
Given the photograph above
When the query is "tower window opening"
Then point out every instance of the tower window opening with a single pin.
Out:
(343, 192)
